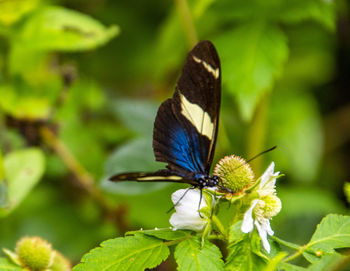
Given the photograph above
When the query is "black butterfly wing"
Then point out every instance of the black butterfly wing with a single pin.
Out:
(186, 126)
(159, 176)
(174, 145)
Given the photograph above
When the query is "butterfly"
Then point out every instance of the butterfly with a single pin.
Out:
(186, 125)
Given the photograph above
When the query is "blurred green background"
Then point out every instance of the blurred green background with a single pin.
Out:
(81, 81)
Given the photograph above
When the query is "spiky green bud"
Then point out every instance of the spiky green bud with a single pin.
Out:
(235, 173)
(34, 253)
(60, 263)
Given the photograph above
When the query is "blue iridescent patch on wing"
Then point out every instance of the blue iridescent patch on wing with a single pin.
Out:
(186, 151)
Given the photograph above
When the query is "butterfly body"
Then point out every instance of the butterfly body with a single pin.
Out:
(186, 125)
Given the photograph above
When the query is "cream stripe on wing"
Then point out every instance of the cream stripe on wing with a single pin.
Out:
(197, 116)
(208, 67)
(150, 178)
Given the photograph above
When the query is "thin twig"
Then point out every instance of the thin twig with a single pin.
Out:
(84, 178)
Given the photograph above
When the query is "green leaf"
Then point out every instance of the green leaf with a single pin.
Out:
(333, 232)
(19, 103)
(274, 262)
(170, 32)
(290, 267)
(296, 128)
(252, 55)
(128, 253)
(6, 265)
(14, 10)
(137, 115)
(241, 257)
(191, 256)
(295, 11)
(24, 169)
(235, 232)
(136, 155)
(291, 11)
(57, 28)
(165, 234)
(328, 262)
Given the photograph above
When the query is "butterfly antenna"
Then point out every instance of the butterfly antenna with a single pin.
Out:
(256, 156)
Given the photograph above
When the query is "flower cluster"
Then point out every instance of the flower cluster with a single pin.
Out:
(194, 207)
(264, 207)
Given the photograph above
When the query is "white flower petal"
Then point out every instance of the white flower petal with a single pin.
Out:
(186, 214)
(247, 224)
(189, 199)
(267, 174)
(186, 222)
(268, 181)
(265, 224)
(263, 235)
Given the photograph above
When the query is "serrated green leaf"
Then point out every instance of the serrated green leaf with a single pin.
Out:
(190, 256)
(24, 169)
(252, 56)
(125, 253)
(13, 10)
(6, 265)
(241, 257)
(165, 234)
(136, 115)
(235, 232)
(57, 28)
(333, 232)
(136, 155)
(328, 262)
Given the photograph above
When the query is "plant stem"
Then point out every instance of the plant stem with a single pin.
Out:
(84, 178)
(187, 22)
(293, 256)
(216, 237)
(219, 225)
(286, 243)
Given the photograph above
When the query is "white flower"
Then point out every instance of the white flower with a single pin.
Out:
(264, 208)
(186, 214)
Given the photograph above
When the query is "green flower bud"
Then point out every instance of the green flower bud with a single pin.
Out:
(60, 263)
(235, 173)
(34, 253)
(268, 206)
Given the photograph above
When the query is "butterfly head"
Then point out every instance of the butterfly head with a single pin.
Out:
(208, 181)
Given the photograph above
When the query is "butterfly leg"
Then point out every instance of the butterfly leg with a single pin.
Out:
(199, 205)
(184, 194)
